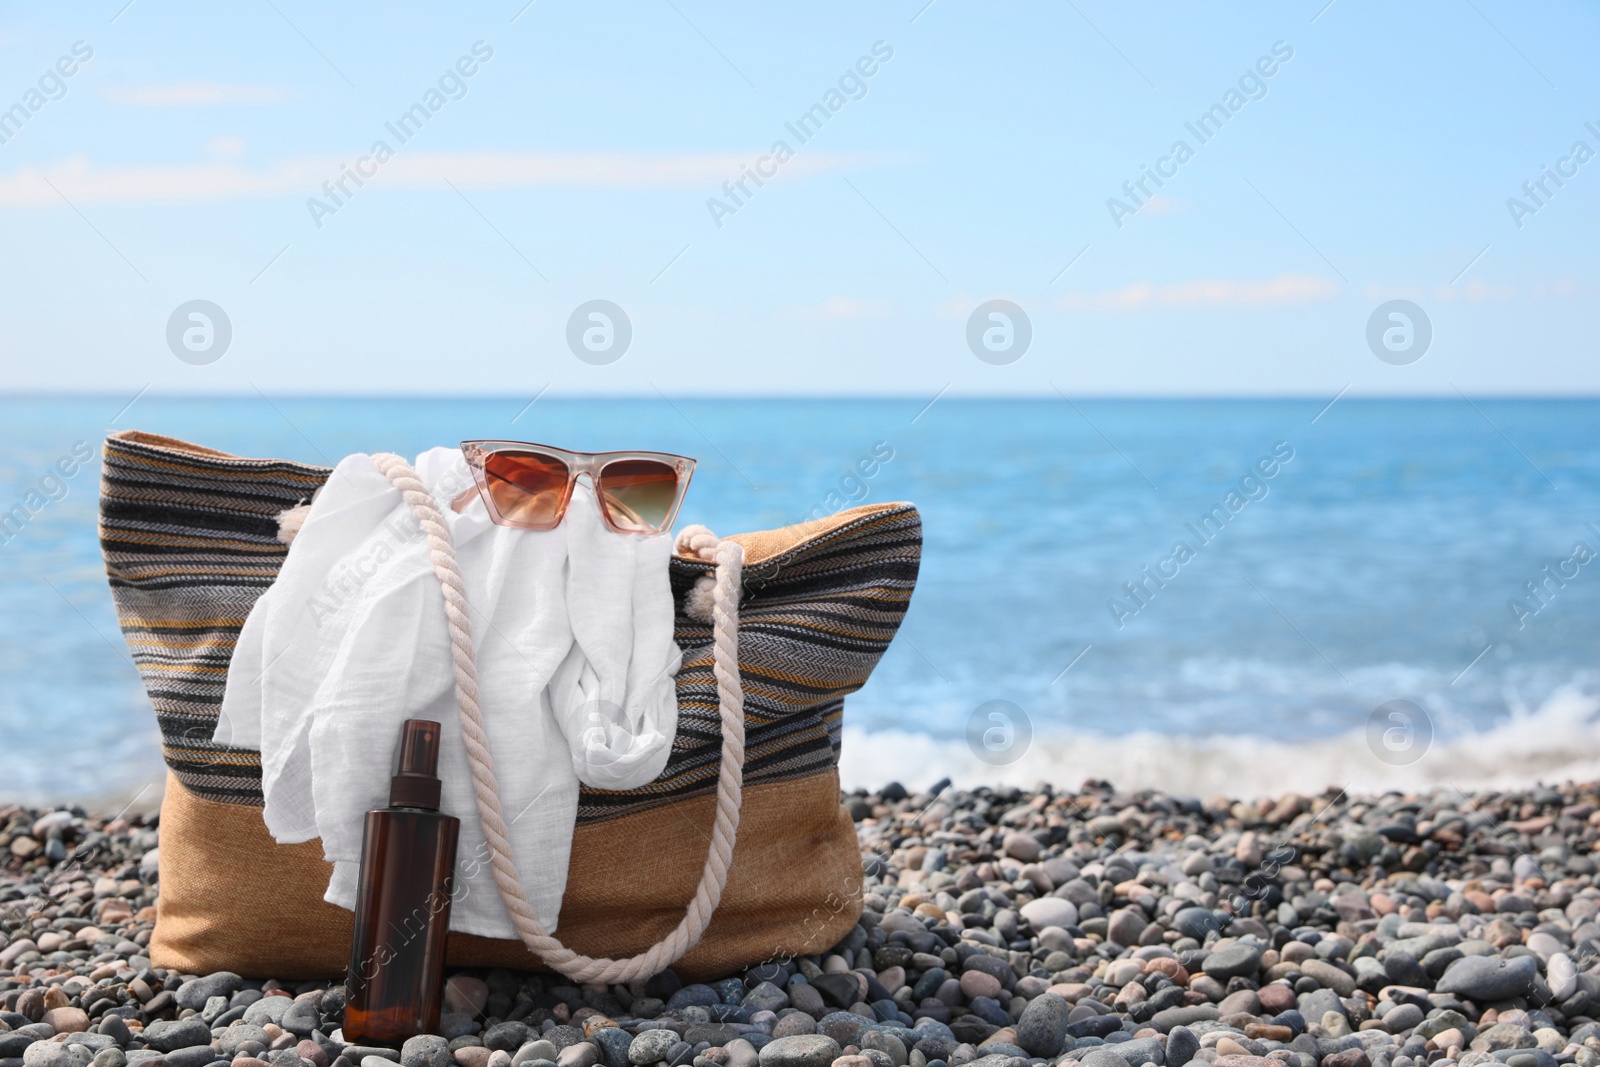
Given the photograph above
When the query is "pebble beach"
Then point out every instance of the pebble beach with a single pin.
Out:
(1003, 927)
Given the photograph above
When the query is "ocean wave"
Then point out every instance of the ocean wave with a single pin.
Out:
(1559, 740)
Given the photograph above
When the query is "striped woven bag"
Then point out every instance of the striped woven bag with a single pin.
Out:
(190, 537)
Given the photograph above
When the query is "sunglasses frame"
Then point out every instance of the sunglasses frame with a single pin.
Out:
(578, 463)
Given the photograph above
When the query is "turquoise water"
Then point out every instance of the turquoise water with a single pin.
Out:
(1379, 561)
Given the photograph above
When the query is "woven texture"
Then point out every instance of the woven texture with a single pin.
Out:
(233, 900)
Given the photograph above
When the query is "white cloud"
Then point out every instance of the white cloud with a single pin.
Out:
(845, 307)
(80, 180)
(1161, 204)
(194, 94)
(955, 307)
(1209, 292)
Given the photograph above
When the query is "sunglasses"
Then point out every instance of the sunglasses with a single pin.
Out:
(529, 486)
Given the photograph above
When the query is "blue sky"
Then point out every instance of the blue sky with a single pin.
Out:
(583, 156)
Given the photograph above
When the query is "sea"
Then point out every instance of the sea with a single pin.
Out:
(1249, 596)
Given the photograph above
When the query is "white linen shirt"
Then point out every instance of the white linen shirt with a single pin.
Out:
(576, 672)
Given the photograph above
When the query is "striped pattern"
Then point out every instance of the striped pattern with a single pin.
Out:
(190, 541)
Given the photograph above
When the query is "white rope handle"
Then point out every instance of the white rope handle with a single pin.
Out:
(729, 559)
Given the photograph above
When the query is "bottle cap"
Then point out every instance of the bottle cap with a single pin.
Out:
(416, 783)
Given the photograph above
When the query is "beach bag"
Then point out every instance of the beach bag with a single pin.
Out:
(191, 539)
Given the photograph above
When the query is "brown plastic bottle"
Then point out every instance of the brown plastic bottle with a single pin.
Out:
(408, 858)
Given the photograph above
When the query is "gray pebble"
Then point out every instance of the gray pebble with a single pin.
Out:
(1043, 1025)
(1182, 1044)
(193, 1056)
(1489, 978)
(794, 1024)
(613, 1046)
(267, 1010)
(1140, 1051)
(52, 1054)
(238, 1034)
(301, 1017)
(425, 1050)
(802, 1050)
(1240, 959)
(93, 1042)
(1402, 1018)
(453, 1024)
(197, 991)
(804, 995)
(168, 1035)
(535, 1051)
(765, 997)
(506, 1036)
(651, 1046)
(563, 1036)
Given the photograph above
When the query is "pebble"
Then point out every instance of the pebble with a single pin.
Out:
(614, 1044)
(425, 1050)
(806, 998)
(67, 1020)
(794, 1024)
(1043, 1025)
(1329, 976)
(1103, 1056)
(1085, 927)
(1126, 926)
(537, 1051)
(1024, 847)
(195, 992)
(802, 1050)
(300, 1018)
(200, 1055)
(171, 1035)
(579, 1054)
(465, 995)
(239, 1034)
(976, 984)
(266, 1010)
(1050, 911)
(1239, 959)
(51, 1054)
(651, 1046)
(1181, 1046)
(506, 1036)
(1489, 977)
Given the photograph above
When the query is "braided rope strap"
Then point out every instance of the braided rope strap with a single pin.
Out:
(724, 597)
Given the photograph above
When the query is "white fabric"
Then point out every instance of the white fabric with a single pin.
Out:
(576, 659)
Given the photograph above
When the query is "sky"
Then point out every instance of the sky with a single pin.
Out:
(1172, 201)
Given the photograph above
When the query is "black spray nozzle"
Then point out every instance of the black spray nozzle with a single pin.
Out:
(416, 783)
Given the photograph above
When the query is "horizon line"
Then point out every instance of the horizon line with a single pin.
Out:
(1053, 397)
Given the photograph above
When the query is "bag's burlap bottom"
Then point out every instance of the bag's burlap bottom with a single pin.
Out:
(233, 900)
